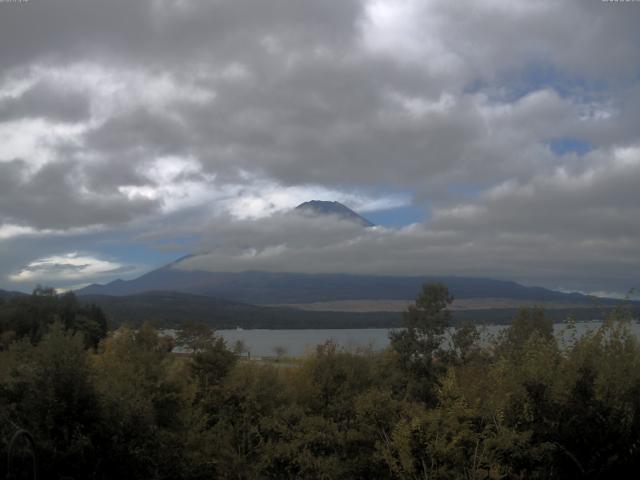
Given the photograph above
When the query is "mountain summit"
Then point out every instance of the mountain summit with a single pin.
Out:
(321, 207)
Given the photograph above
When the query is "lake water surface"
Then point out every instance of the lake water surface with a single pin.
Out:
(262, 343)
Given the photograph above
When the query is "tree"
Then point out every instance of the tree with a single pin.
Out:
(32, 316)
(419, 343)
(48, 391)
(280, 351)
(194, 336)
(211, 363)
(464, 343)
(240, 348)
(146, 397)
(527, 322)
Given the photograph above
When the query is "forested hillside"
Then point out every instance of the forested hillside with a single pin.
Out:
(433, 405)
(261, 287)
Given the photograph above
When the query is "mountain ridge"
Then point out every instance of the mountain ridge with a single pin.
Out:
(10, 294)
(325, 207)
(261, 287)
(170, 309)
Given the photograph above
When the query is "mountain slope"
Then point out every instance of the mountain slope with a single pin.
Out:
(8, 294)
(321, 207)
(256, 287)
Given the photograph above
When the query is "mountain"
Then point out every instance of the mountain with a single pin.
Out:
(171, 309)
(258, 287)
(270, 288)
(321, 207)
(7, 294)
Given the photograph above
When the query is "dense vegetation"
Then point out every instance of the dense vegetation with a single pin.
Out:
(30, 317)
(436, 404)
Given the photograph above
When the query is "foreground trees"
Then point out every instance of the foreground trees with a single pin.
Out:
(30, 317)
(439, 403)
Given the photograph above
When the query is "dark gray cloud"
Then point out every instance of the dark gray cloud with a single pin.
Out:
(120, 115)
(51, 199)
(45, 101)
(140, 131)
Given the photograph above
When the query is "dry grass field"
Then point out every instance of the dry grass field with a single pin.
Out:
(362, 306)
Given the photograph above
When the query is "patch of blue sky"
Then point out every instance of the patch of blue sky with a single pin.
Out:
(513, 85)
(567, 145)
(140, 254)
(399, 216)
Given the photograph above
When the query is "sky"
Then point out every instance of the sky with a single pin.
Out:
(485, 138)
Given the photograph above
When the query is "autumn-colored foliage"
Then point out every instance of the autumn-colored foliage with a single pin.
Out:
(439, 403)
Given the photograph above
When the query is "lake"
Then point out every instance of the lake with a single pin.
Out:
(262, 343)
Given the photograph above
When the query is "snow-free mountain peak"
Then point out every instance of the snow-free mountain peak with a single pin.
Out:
(323, 207)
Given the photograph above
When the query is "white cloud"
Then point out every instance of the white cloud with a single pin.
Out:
(113, 90)
(35, 139)
(469, 38)
(180, 183)
(263, 198)
(9, 231)
(403, 30)
(72, 266)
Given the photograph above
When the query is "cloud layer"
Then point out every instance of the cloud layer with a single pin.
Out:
(70, 267)
(513, 123)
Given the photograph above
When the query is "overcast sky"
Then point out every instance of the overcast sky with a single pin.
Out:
(488, 138)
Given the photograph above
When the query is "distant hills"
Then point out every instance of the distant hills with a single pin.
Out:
(166, 309)
(171, 309)
(269, 288)
(7, 294)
